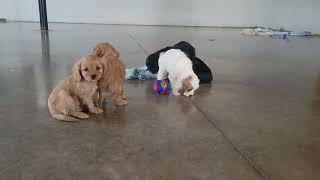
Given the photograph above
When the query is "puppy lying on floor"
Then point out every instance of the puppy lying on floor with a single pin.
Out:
(77, 89)
(182, 78)
(112, 79)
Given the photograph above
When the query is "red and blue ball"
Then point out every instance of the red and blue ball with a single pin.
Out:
(161, 86)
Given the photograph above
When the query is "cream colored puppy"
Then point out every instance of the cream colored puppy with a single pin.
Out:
(76, 90)
(182, 78)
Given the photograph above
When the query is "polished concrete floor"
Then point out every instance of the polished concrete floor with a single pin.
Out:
(260, 118)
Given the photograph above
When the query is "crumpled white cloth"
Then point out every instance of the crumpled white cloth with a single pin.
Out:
(140, 73)
(260, 31)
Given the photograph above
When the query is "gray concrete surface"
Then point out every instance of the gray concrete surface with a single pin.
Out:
(258, 120)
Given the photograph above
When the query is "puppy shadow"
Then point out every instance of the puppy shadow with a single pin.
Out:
(111, 114)
(204, 89)
(188, 106)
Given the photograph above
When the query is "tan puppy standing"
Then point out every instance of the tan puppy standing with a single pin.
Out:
(77, 89)
(113, 77)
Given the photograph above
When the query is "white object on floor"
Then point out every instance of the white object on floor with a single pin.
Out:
(260, 31)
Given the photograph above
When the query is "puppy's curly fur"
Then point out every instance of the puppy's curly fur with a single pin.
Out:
(77, 89)
(112, 80)
(105, 50)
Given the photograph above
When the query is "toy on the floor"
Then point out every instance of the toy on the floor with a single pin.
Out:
(161, 86)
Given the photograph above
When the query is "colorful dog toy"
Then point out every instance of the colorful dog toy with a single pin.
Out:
(161, 86)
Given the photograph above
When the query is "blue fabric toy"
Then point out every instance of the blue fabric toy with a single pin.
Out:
(161, 86)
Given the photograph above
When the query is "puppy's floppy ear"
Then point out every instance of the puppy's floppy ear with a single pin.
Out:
(104, 63)
(186, 85)
(104, 66)
(109, 51)
(115, 52)
(97, 51)
(76, 72)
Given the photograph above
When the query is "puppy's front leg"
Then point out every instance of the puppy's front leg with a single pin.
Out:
(102, 96)
(161, 74)
(190, 93)
(96, 99)
(89, 102)
(174, 86)
(175, 92)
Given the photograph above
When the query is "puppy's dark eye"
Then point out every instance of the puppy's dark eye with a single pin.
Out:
(85, 69)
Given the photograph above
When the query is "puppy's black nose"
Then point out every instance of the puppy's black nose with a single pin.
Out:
(93, 76)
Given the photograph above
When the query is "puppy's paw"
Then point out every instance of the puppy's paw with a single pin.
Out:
(121, 102)
(83, 116)
(188, 93)
(176, 93)
(96, 110)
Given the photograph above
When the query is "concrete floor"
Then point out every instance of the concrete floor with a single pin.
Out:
(260, 119)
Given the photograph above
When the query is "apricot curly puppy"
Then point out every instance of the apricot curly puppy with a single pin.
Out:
(77, 89)
(113, 77)
(105, 50)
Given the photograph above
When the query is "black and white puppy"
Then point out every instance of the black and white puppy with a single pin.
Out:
(179, 67)
(199, 67)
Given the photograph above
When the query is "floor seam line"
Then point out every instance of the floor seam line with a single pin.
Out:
(136, 41)
(234, 146)
(3, 170)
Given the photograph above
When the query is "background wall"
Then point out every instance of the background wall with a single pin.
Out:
(290, 14)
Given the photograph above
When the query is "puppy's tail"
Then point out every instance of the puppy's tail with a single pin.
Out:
(62, 117)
